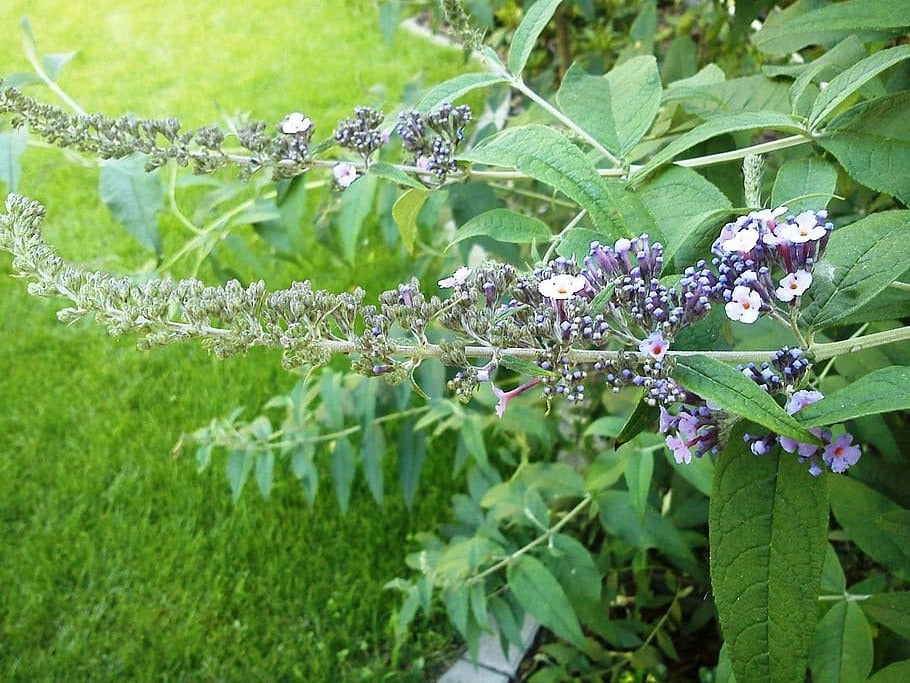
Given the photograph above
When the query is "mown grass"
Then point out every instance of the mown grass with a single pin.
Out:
(117, 561)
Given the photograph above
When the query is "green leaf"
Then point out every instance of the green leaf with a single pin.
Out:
(891, 610)
(856, 507)
(407, 208)
(639, 470)
(899, 672)
(356, 205)
(412, 450)
(538, 592)
(12, 146)
(237, 467)
(452, 89)
(839, 58)
(389, 18)
(535, 20)
(682, 202)
(768, 523)
(395, 174)
(619, 123)
(372, 450)
(504, 225)
(872, 142)
(799, 178)
(265, 471)
(737, 394)
(824, 25)
(549, 156)
(607, 469)
(575, 569)
(833, 580)
(509, 628)
(848, 82)
(134, 197)
(861, 260)
(896, 523)
(342, 467)
(720, 125)
(53, 63)
(524, 367)
(699, 472)
(304, 468)
(881, 391)
(842, 648)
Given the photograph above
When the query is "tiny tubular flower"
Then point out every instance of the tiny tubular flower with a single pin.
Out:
(841, 453)
(681, 452)
(295, 123)
(744, 305)
(562, 286)
(801, 399)
(768, 217)
(804, 228)
(654, 345)
(345, 174)
(793, 285)
(459, 277)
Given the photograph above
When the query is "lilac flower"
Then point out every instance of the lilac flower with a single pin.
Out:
(506, 396)
(744, 305)
(680, 449)
(654, 345)
(841, 453)
(345, 174)
(793, 285)
(804, 450)
(742, 241)
(801, 399)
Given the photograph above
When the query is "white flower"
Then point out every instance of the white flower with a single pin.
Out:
(742, 241)
(295, 123)
(654, 345)
(804, 228)
(562, 286)
(744, 305)
(459, 277)
(768, 216)
(344, 173)
(793, 285)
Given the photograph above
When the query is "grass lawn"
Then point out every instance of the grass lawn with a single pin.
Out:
(118, 562)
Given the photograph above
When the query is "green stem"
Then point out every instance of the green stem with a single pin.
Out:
(828, 350)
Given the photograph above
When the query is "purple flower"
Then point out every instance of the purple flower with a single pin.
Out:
(345, 173)
(841, 453)
(680, 449)
(654, 345)
(801, 399)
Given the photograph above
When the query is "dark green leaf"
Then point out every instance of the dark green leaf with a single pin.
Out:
(509, 628)
(848, 82)
(372, 450)
(872, 142)
(878, 392)
(842, 648)
(412, 450)
(768, 522)
(896, 523)
(681, 201)
(839, 58)
(891, 610)
(833, 579)
(574, 568)
(396, 175)
(719, 126)
(540, 594)
(861, 260)
(536, 17)
(639, 469)
(827, 24)
(699, 472)
(504, 225)
(452, 89)
(265, 471)
(856, 507)
(343, 467)
(549, 156)
(802, 177)
(736, 394)
(134, 197)
(899, 672)
(524, 367)
(12, 145)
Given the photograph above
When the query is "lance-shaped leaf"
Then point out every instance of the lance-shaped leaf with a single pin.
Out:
(735, 393)
(893, 673)
(842, 649)
(12, 145)
(538, 592)
(872, 142)
(861, 260)
(891, 610)
(134, 196)
(343, 467)
(720, 125)
(407, 208)
(549, 156)
(452, 89)
(880, 391)
(826, 24)
(848, 82)
(804, 184)
(503, 225)
(535, 20)
(356, 205)
(768, 520)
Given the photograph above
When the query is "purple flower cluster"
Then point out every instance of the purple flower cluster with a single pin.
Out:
(361, 134)
(751, 249)
(695, 429)
(433, 138)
